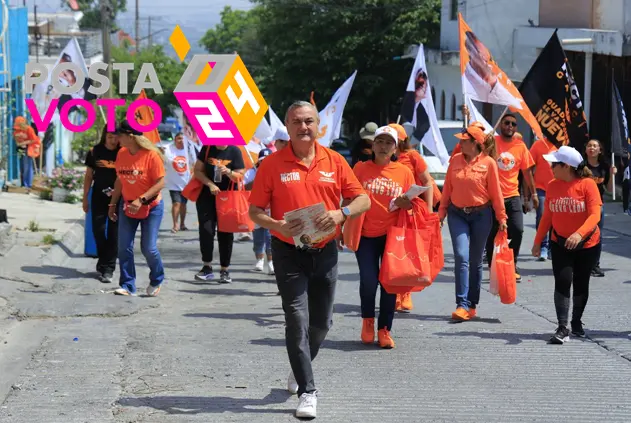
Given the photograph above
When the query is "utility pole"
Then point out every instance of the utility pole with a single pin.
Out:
(150, 41)
(137, 27)
(107, 47)
(37, 35)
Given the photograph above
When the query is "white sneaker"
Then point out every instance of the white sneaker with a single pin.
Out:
(260, 263)
(270, 267)
(153, 291)
(292, 385)
(307, 406)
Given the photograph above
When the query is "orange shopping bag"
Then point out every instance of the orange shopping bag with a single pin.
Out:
(426, 220)
(232, 210)
(352, 232)
(405, 264)
(503, 269)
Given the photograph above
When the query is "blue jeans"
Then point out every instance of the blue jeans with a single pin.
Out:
(545, 244)
(469, 233)
(149, 227)
(262, 241)
(368, 257)
(26, 171)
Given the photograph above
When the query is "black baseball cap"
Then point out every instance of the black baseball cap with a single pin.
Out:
(125, 128)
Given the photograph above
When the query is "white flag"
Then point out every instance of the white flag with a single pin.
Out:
(275, 122)
(418, 110)
(476, 116)
(331, 115)
(264, 131)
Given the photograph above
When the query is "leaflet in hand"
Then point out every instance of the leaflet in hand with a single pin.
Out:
(413, 192)
(310, 235)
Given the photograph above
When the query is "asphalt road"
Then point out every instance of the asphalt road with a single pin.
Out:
(70, 351)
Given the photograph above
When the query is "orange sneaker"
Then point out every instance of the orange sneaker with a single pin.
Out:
(460, 315)
(472, 313)
(406, 301)
(397, 306)
(368, 331)
(385, 340)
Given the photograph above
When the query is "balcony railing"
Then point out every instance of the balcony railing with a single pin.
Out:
(90, 42)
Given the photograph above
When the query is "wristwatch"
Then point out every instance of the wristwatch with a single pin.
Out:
(346, 212)
(143, 200)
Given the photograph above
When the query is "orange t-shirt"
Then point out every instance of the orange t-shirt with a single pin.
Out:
(286, 184)
(382, 183)
(472, 184)
(511, 158)
(543, 170)
(571, 207)
(138, 172)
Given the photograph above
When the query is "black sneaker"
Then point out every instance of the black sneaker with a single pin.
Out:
(577, 329)
(224, 277)
(107, 277)
(597, 272)
(561, 336)
(205, 274)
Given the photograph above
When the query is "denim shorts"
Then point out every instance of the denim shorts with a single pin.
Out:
(176, 197)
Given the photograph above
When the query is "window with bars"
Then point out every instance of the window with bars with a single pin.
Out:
(454, 10)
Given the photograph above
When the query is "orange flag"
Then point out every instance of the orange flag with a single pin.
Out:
(484, 81)
(312, 100)
(144, 116)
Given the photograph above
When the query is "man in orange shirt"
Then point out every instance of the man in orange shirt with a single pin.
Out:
(513, 157)
(305, 174)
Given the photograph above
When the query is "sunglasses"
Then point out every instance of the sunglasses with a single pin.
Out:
(510, 123)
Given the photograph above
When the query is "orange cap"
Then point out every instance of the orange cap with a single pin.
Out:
(474, 132)
(402, 135)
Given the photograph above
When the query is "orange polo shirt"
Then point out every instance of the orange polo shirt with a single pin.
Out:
(457, 149)
(382, 183)
(417, 164)
(512, 157)
(473, 184)
(571, 207)
(138, 172)
(543, 170)
(286, 184)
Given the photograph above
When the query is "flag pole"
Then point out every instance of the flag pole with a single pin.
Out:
(613, 154)
(500, 119)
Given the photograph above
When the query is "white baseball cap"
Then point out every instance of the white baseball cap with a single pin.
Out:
(281, 134)
(388, 130)
(568, 155)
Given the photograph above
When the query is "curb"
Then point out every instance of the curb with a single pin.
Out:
(66, 248)
(6, 238)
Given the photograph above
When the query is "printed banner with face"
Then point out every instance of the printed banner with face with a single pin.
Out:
(550, 91)
(44, 93)
(191, 140)
(619, 128)
(483, 80)
(331, 116)
(476, 116)
(418, 110)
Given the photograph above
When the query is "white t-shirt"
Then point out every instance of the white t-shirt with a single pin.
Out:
(178, 168)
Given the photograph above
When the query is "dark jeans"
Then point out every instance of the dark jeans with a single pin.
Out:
(469, 233)
(515, 224)
(368, 257)
(207, 217)
(600, 243)
(571, 268)
(545, 244)
(306, 282)
(26, 170)
(105, 234)
(626, 186)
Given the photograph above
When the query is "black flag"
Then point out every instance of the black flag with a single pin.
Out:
(550, 92)
(619, 130)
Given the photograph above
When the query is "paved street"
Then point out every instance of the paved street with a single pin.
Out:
(201, 352)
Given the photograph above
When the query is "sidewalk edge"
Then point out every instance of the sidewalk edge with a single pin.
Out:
(65, 249)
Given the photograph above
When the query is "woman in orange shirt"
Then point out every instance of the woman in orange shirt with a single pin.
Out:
(572, 211)
(384, 180)
(140, 179)
(413, 160)
(472, 187)
(28, 145)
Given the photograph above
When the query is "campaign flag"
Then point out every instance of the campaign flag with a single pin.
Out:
(619, 129)
(483, 80)
(275, 122)
(551, 93)
(144, 116)
(476, 116)
(331, 115)
(418, 110)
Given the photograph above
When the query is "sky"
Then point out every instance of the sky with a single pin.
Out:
(195, 17)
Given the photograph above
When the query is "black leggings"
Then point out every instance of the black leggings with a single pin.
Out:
(571, 268)
(207, 217)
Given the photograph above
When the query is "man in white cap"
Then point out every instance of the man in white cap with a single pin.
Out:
(362, 151)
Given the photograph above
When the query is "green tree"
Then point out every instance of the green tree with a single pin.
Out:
(92, 12)
(168, 70)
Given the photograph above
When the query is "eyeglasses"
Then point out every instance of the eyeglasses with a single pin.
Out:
(510, 123)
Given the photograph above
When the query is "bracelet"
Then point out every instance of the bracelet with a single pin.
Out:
(111, 205)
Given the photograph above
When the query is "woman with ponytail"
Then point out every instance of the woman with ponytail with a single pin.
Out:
(572, 211)
(140, 179)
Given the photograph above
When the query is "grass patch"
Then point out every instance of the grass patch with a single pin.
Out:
(49, 240)
(33, 226)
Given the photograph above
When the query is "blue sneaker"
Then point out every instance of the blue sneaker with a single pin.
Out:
(545, 255)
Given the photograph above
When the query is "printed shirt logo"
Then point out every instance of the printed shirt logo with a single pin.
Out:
(383, 186)
(106, 164)
(180, 164)
(290, 177)
(327, 177)
(218, 162)
(506, 161)
(400, 238)
(130, 175)
(567, 205)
